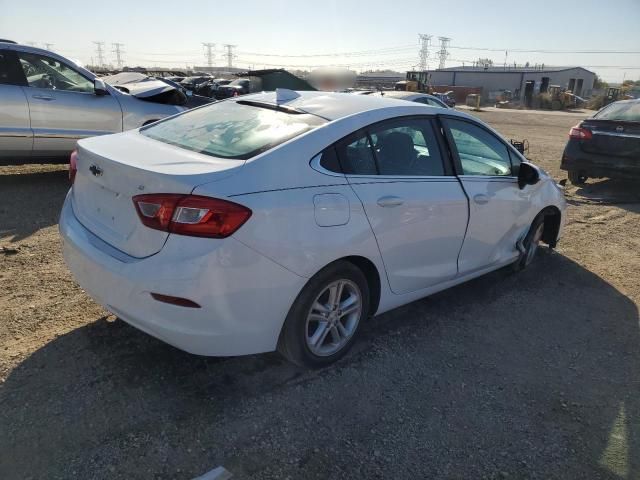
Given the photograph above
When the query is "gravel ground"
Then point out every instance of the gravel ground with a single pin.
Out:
(529, 375)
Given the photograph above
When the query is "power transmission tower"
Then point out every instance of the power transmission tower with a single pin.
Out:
(100, 53)
(425, 43)
(48, 46)
(229, 55)
(443, 54)
(209, 55)
(118, 51)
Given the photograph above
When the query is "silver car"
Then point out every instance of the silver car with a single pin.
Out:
(48, 103)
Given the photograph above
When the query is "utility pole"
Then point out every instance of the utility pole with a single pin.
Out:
(100, 53)
(443, 54)
(209, 55)
(229, 55)
(425, 42)
(118, 51)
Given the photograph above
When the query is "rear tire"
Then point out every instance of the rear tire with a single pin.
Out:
(577, 178)
(325, 318)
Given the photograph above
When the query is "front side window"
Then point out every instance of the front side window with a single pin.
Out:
(480, 152)
(430, 101)
(45, 72)
(231, 129)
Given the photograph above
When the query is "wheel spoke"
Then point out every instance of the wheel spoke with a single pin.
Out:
(335, 335)
(350, 305)
(335, 292)
(343, 331)
(320, 334)
(319, 307)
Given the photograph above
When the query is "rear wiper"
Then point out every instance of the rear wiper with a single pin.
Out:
(271, 106)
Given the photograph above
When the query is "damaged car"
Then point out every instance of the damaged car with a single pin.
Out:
(49, 102)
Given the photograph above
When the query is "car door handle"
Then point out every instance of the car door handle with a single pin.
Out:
(390, 201)
(481, 199)
(43, 97)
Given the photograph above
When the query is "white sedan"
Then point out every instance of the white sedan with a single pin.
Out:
(284, 220)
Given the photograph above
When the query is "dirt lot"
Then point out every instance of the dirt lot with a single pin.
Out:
(530, 375)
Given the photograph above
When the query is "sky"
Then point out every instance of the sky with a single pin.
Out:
(376, 34)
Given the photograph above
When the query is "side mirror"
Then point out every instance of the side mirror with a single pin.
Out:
(99, 87)
(528, 174)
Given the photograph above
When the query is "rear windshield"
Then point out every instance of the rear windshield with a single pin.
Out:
(624, 112)
(231, 130)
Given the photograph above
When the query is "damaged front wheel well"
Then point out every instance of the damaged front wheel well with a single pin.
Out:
(552, 219)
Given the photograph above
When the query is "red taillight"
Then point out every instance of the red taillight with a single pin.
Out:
(73, 166)
(191, 215)
(580, 133)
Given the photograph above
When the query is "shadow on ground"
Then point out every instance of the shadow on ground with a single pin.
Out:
(30, 202)
(533, 375)
(607, 192)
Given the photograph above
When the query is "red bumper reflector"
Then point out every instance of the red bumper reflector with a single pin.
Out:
(180, 302)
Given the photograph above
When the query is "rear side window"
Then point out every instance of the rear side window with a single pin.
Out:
(356, 155)
(231, 130)
(623, 112)
(10, 73)
(407, 147)
(4, 68)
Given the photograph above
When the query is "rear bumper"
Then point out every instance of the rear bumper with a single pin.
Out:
(596, 165)
(244, 296)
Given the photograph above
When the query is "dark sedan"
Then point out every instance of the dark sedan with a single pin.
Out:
(241, 86)
(605, 145)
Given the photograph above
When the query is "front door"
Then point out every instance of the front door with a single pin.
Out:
(416, 207)
(497, 207)
(64, 107)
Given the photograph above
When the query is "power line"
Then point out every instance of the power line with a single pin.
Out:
(118, 51)
(209, 55)
(229, 55)
(100, 52)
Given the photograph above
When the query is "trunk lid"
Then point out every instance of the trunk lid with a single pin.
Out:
(612, 137)
(114, 168)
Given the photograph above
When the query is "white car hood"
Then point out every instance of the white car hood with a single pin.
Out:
(137, 84)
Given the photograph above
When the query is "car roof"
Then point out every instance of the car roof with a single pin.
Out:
(334, 105)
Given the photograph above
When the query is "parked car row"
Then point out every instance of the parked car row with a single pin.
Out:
(49, 103)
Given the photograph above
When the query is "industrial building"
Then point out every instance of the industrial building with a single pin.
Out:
(524, 82)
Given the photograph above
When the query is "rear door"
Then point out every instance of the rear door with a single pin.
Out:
(497, 206)
(416, 207)
(16, 137)
(63, 105)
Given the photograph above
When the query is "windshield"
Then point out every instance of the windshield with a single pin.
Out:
(622, 111)
(231, 130)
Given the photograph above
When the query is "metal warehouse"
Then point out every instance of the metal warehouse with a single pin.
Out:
(523, 82)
